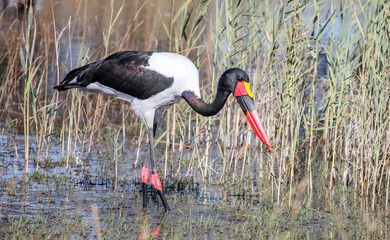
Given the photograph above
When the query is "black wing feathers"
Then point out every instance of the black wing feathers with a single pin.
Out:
(137, 58)
(122, 71)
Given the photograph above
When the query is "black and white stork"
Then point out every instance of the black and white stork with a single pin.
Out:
(152, 81)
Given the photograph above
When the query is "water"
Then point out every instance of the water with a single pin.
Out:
(62, 199)
(54, 191)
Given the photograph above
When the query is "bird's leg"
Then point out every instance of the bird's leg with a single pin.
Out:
(145, 181)
(155, 180)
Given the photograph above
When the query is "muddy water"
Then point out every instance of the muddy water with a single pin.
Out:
(88, 195)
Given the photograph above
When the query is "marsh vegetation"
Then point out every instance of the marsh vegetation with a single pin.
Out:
(69, 163)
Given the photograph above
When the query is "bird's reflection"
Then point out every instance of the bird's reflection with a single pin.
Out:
(149, 229)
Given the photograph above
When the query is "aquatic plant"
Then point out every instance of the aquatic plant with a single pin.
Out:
(319, 70)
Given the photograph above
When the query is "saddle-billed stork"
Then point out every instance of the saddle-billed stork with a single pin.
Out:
(152, 81)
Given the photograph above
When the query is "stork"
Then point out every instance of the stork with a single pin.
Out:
(152, 81)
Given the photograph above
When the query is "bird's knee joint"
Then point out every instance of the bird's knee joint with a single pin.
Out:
(145, 175)
(156, 181)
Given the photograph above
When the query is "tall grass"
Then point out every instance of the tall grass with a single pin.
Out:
(319, 73)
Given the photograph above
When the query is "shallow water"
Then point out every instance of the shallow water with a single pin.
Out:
(75, 201)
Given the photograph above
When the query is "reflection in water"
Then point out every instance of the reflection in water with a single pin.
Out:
(147, 228)
(96, 222)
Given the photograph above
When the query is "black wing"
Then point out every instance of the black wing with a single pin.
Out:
(122, 71)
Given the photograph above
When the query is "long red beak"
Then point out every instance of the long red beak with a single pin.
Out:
(245, 98)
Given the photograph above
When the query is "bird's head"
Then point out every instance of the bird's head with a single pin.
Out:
(231, 77)
(236, 81)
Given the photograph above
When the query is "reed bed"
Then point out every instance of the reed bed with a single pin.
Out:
(319, 72)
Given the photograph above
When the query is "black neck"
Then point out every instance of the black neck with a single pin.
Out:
(206, 109)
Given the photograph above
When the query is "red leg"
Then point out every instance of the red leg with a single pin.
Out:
(145, 181)
(155, 180)
(158, 186)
